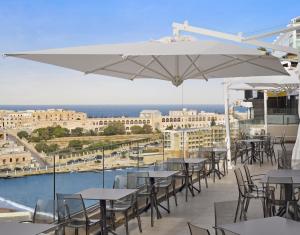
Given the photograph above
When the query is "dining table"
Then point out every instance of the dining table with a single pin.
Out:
(255, 144)
(154, 176)
(264, 226)
(286, 177)
(187, 163)
(102, 195)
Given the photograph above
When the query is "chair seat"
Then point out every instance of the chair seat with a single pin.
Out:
(74, 223)
(163, 185)
(256, 194)
(118, 207)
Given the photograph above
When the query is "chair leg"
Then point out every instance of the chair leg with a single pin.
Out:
(199, 181)
(174, 192)
(126, 222)
(243, 212)
(113, 217)
(139, 220)
(247, 204)
(237, 209)
(168, 199)
(186, 188)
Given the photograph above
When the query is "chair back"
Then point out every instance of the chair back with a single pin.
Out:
(74, 207)
(205, 152)
(284, 159)
(160, 166)
(44, 212)
(195, 230)
(120, 182)
(240, 182)
(248, 175)
(174, 164)
(282, 143)
(137, 180)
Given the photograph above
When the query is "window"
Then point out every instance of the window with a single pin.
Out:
(10, 160)
(23, 159)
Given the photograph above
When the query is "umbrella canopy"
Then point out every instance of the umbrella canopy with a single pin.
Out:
(258, 87)
(170, 60)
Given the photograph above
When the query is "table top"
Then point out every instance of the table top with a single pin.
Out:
(264, 226)
(252, 140)
(197, 160)
(283, 173)
(213, 149)
(13, 228)
(105, 193)
(219, 149)
(161, 174)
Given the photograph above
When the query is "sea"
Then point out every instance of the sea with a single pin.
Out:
(119, 110)
(22, 193)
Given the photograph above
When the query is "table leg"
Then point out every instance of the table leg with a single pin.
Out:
(103, 217)
(153, 201)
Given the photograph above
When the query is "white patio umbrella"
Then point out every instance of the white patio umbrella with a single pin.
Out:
(167, 59)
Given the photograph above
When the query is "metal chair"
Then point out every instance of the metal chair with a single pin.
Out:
(200, 170)
(185, 174)
(195, 230)
(72, 211)
(124, 205)
(45, 212)
(251, 178)
(167, 185)
(284, 159)
(245, 195)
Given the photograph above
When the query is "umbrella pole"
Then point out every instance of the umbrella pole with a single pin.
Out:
(227, 124)
(266, 111)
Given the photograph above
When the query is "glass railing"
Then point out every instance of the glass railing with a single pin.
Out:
(71, 172)
(286, 111)
(273, 120)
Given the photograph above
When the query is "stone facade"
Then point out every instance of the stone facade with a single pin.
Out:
(71, 119)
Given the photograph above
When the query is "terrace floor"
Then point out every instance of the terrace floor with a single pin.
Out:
(198, 210)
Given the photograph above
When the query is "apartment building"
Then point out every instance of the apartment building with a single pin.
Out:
(41, 118)
(191, 139)
(191, 119)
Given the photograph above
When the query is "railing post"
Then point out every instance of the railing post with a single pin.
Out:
(163, 145)
(103, 169)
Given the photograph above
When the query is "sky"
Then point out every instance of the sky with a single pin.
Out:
(35, 24)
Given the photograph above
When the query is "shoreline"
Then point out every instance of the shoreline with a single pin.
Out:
(95, 170)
